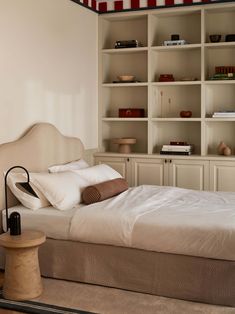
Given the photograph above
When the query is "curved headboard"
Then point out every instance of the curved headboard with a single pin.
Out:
(40, 147)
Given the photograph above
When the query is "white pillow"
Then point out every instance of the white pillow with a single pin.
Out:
(98, 174)
(28, 200)
(73, 165)
(62, 189)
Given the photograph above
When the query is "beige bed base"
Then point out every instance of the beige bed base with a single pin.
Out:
(184, 277)
(176, 276)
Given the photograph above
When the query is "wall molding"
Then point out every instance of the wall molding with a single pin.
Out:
(113, 6)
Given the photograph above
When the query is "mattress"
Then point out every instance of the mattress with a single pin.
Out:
(53, 222)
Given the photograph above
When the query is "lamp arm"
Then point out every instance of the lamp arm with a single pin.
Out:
(6, 204)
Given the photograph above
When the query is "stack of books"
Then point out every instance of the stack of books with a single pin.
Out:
(224, 114)
(176, 150)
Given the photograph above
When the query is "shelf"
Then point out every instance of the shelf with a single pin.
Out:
(164, 132)
(220, 45)
(182, 23)
(218, 57)
(124, 84)
(219, 21)
(219, 82)
(176, 83)
(175, 119)
(119, 129)
(181, 63)
(169, 100)
(125, 50)
(219, 131)
(134, 64)
(219, 119)
(219, 97)
(124, 28)
(175, 48)
(125, 119)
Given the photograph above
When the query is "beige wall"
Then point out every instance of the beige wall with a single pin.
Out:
(48, 68)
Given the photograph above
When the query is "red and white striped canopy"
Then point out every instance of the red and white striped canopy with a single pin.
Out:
(103, 6)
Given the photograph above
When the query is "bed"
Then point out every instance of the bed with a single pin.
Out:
(146, 260)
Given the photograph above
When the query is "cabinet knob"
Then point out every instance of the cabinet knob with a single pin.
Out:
(128, 159)
(165, 161)
(170, 161)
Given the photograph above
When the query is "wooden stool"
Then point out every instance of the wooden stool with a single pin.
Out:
(22, 280)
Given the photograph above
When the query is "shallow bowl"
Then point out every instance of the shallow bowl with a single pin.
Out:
(125, 78)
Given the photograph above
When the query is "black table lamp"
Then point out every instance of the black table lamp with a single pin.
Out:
(13, 223)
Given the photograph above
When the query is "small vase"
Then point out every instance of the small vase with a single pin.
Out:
(221, 148)
(227, 151)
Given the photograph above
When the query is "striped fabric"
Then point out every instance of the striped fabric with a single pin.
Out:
(102, 6)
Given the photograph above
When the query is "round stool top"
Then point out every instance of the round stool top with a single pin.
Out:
(28, 238)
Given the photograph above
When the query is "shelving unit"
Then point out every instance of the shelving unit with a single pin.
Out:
(192, 65)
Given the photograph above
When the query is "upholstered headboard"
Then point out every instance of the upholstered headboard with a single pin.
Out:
(41, 146)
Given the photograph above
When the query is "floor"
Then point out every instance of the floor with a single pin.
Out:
(114, 301)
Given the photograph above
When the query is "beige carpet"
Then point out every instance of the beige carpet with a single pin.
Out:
(114, 301)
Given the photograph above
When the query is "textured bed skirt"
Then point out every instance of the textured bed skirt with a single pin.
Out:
(175, 276)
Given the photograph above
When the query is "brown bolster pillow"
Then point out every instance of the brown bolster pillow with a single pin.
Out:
(102, 191)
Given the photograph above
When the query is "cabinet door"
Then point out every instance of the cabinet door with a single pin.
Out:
(222, 176)
(189, 174)
(148, 171)
(121, 165)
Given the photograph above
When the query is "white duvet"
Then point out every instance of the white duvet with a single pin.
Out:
(162, 219)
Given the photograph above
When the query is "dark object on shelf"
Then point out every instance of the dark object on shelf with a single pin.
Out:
(178, 143)
(215, 38)
(127, 44)
(230, 37)
(185, 114)
(166, 78)
(174, 153)
(131, 113)
(224, 69)
(175, 37)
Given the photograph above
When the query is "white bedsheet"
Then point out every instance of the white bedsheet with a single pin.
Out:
(55, 223)
(162, 219)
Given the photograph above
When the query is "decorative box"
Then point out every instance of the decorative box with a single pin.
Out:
(166, 78)
(131, 113)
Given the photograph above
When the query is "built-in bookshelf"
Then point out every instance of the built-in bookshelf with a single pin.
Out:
(192, 66)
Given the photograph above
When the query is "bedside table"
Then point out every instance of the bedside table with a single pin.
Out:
(22, 280)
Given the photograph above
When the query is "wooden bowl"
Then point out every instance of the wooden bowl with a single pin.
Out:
(185, 114)
(126, 78)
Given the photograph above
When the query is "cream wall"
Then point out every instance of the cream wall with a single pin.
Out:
(48, 68)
